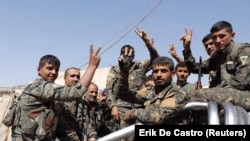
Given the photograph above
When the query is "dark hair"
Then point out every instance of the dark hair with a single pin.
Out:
(184, 64)
(147, 78)
(163, 60)
(207, 37)
(66, 71)
(221, 25)
(129, 47)
(50, 59)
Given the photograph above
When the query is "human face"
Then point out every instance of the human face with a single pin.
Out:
(209, 46)
(222, 39)
(149, 84)
(48, 72)
(162, 75)
(91, 94)
(182, 74)
(72, 77)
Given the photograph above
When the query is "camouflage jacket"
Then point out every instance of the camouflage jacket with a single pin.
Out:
(187, 87)
(232, 67)
(208, 67)
(92, 118)
(159, 107)
(66, 128)
(136, 74)
(36, 103)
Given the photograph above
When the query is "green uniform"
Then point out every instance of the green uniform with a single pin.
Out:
(66, 129)
(136, 74)
(233, 74)
(187, 87)
(36, 106)
(159, 108)
(208, 67)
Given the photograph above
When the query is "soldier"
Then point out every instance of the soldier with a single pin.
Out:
(105, 121)
(232, 69)
(91, 114)
(149, 82)
(210, 49)
(66, 129)
(36, 115)
(138, 69)
(160, 102)
(182, 72)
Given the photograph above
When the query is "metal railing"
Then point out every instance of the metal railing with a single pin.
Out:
(122, 133)
(235, 115)
(212, 109)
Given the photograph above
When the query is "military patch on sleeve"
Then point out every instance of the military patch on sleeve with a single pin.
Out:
(243, 59)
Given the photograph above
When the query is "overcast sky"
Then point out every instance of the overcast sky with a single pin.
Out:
(30, 29)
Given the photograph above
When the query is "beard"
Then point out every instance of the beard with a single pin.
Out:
(164, 84)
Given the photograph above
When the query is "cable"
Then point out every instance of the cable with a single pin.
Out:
(140, 21)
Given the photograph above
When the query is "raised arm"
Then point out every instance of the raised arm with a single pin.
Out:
(187, 38)
(125, 93)
(149, 44)
(94, 61)
(173, 53)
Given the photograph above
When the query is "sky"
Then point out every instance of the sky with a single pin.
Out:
(30, 29)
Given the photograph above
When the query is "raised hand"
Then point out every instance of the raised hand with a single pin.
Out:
(143, 35)
(187, 38)
(125, 59)
(172, 50)
(94, 59)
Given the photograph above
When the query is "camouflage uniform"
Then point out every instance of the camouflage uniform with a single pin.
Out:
(66, 128)
(208, 67)
(103, 119)
(233, 73)
(187, 87)
(90, 118)
(136, 73)
(39, 97)
(159, 107)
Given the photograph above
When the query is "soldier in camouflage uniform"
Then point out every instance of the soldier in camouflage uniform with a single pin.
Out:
(137, 71)
(90, 114)
(232, 69)
(36, 114)
(105, 126)
(160, 102)
(66, 129)
(182, 72)
(149, 82)
(210, 49)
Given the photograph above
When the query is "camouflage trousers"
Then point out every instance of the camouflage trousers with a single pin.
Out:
(221, 95)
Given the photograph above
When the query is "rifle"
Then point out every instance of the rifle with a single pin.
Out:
(198, 83)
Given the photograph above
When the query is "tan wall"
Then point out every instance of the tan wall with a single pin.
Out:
(5, 101)
(99, 77)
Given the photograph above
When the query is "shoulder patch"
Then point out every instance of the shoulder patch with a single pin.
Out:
(243, 59)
